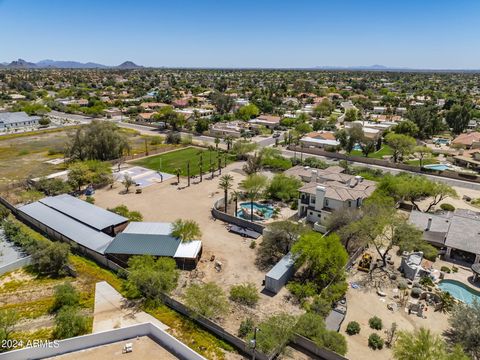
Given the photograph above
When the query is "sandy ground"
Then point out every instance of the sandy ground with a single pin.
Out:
(112, 311)
(143, 348)
(165, 203)
(364, 303)
(458, 202)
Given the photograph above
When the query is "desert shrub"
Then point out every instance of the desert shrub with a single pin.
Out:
(447, 207)
(90, 199)
(402, 284)
(246, 294)
(426, 281)
(253, 244)
(353, 328)
(69, 323)
(246, 327)
(416, 292)
(301, 291)
(65, 295)
(207, 300)
(375, 342)
(445, 269)
(375, 323)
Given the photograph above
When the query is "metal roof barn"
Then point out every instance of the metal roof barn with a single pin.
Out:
(68, 227)
(143, 244)
(82, 211)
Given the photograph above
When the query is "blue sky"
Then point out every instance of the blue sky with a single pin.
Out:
(262, 33)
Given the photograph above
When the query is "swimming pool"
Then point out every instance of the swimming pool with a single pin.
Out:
(439, 167)
(357, 147)
(459, 291)
(260, 211)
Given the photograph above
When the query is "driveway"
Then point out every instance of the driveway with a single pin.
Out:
(113, 311)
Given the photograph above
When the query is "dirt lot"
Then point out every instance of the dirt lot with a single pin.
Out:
(165, 203)
(364, 303)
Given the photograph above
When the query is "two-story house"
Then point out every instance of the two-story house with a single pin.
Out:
(328, 190)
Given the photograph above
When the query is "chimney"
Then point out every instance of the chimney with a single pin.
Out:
(314, 176)
(429, 224)
(319, 197)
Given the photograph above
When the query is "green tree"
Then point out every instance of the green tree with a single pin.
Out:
(246, 294)
(69, 323)
(123, 210)
(324, 108)
(248, 112)
(65, 295)
(99, 140)
(322, 259)
(275, 332)
(207, 300)
(278, 239)
(283, 187)
(226, 184)
(186, 230)
(401, 144)
(464, 329)
(253, 187)
(8, 319)
(407, 127)
(78, 175)
(128, 182)
(351, 115)
(427, 120)
(312, 326)
(423, 345)
(51, 258)
(150, 277)
(458, 118)
(422, 151)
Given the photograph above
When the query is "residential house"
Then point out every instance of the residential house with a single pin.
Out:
(269, 121)
(447, 231)
(379, 109)
(470, 140)
(229, 128)
(328, 190)
(319, 139)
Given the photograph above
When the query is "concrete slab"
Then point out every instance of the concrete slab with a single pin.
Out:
(111, 310)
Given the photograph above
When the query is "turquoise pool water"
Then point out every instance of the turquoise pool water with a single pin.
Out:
(357, 147)
(439, 167)
(260, 211)
(459, 291)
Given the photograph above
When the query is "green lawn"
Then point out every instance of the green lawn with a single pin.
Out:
(385, 150)
(425, 162)
(170, 161)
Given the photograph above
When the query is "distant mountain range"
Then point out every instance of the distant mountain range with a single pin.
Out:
(54, 64)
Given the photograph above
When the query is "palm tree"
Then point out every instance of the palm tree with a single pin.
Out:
(217, 141)
(229, 141)
(447, 301)
(424, 345)
(253, 187)
(226, 183)
(177, 172)
(186, 230)
(236, 195)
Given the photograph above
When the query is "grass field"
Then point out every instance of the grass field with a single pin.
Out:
(385, 150)
(179, 159)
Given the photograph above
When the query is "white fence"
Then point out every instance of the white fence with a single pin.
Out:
(17, 264)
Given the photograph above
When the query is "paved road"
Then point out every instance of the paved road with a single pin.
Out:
(451, 182)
